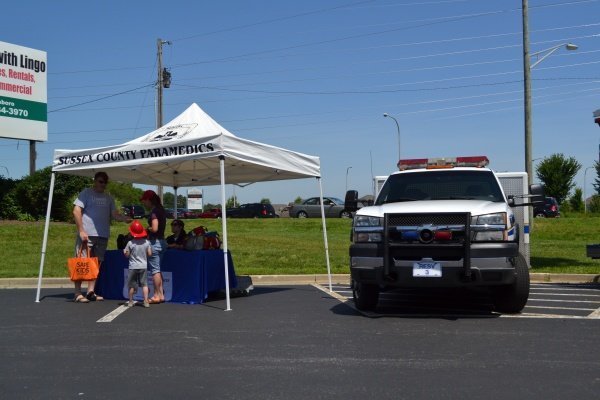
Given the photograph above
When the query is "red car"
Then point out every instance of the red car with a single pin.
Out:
(212, 213)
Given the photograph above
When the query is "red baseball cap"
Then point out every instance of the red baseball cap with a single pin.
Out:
(148, 195)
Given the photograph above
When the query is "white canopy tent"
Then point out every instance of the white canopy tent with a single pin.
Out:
(191, 150)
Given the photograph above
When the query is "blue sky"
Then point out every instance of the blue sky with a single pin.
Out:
(316, 77)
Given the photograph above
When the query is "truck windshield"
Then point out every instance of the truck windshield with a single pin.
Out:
(441, 185)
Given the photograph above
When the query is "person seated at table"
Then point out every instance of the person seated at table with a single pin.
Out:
(178, 238)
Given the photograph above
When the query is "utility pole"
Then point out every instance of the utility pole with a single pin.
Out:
(527, 94)
(163, 80)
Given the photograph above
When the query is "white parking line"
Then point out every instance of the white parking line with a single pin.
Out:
(563, 300)
(548, 316)
(114, 314)
(332, 294)
(565, 294)
(595, 314)
(562, 308)
(563, 289)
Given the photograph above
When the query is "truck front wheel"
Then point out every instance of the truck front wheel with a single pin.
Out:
(366, 295)
(511, 299)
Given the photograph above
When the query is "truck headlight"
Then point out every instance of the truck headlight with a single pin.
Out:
(366, 229)
(364, 220)
(490, 219)
(489, 227)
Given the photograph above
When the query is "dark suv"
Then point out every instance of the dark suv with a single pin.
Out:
(252, 210)
(134, 211)
(548, 210)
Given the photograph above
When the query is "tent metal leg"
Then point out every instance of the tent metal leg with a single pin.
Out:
(325, 234)
(45, 241)
(224, 224)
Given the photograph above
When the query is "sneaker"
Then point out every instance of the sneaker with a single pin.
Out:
(129, 304)
(146, 304)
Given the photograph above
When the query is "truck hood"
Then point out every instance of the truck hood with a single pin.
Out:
(476, 207)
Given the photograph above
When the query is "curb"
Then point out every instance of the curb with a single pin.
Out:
(270, 280)
(564, 278)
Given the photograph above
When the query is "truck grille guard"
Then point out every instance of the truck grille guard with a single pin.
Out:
(415, 236)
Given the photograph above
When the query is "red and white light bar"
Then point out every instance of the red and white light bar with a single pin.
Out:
(443, 162)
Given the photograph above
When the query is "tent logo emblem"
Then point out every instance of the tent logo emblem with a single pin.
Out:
(174, 132)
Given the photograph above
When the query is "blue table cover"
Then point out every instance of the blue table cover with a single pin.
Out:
(195, 274)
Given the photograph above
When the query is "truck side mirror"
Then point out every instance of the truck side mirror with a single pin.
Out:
(351, 200)
(536, 193)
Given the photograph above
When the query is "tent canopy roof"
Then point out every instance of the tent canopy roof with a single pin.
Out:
(186, 152)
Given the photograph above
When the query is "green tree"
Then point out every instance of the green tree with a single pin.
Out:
(557, 173)
(168, 198)
(597, 180)
(6, 185)
(124, 193)
(208, 206)
(298, 200)
(594, 204)
(28, 200)
(265, 201)
(575, 201)
(231, 202)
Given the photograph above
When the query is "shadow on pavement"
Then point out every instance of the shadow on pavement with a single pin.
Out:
(449, 304)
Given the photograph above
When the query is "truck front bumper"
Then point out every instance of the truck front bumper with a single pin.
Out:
(491, 264)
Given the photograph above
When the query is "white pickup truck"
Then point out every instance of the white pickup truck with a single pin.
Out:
(442, 222)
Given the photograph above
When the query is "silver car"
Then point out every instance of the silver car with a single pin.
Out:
(311, 207)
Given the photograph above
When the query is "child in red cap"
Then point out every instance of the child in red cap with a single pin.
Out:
(138, 250)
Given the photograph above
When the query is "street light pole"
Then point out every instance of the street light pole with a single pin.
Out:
(398, 129)
(527, 90)
(568, 46)
(347, 169)
(527, 84)
(584, 185)
(527, 93)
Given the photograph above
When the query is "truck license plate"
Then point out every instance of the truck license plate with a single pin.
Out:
(427, 269)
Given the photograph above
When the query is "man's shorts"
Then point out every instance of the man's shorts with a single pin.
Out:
(96, 244)
(137, 278)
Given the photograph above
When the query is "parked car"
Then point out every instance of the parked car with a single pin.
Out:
(212, 213)
(134, 210)
(549, 209)
(311, 208)
(187, 213)
(252, 210)
(182, 213)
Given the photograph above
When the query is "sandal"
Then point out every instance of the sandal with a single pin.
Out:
(91, 296)
(80, 299)
(154, 301)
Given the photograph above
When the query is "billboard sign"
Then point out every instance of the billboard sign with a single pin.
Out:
(23, 93)
(194, 199)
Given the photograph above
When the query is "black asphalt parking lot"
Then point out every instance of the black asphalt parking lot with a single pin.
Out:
(285, 342)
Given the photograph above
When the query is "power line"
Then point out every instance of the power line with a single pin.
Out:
(309, 44)
(233, 58)
(288, 17)
(425, 22)
(99, 99)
